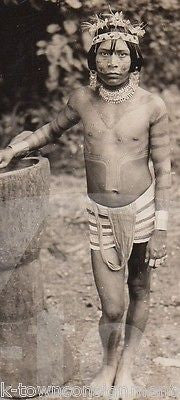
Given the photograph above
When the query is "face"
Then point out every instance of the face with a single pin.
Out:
(113, 67)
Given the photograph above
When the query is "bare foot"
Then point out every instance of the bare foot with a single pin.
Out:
(103, 381)
(124, 388)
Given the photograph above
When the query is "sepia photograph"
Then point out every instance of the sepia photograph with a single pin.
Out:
(90, 199)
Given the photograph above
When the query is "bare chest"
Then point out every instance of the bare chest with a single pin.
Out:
(111, 124)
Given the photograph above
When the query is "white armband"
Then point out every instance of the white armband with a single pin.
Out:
(161, 220)
(19, 148)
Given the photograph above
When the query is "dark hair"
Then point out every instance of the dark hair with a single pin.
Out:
(135, 54)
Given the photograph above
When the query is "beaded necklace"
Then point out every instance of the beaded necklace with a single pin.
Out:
(118, 95)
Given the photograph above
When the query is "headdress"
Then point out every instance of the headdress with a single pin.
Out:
(113, 26)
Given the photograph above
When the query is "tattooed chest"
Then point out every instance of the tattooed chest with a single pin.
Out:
(108, 129)
(123, 136)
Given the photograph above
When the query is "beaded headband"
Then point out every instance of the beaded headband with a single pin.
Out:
(113, 22)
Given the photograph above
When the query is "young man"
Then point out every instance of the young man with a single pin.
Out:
(123, 126)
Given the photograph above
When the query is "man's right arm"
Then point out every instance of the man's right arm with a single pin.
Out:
(48, 133)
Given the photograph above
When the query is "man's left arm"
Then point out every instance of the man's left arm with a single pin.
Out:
(160, 154)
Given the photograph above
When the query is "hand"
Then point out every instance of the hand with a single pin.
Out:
(156, 253)
(6, 156)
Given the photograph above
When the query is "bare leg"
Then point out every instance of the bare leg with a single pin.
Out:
(110, 286)
(137, 315)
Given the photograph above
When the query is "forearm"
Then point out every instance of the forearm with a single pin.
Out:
(162, 197)
(162, 190)
(36, 140)
(162, 169)
(47, 133)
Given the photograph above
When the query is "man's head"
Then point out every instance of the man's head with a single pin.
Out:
(114, 57)
(115, 47)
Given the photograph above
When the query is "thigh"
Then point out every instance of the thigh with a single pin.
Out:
(139, 273)
(110, 284)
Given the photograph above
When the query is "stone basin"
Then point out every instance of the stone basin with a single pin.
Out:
(18, 164)
(33, 348)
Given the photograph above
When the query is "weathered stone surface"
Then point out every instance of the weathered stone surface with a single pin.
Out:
(33, 350)
(23, 208)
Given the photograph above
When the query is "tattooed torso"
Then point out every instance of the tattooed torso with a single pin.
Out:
(116, 151)
(118, 142)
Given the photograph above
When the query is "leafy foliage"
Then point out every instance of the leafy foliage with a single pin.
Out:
(160, 47)
(65, 47)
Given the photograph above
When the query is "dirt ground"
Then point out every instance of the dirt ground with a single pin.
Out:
(70, 289)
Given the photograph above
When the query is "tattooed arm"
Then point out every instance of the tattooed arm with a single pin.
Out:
(156, 252)
(48, 133)
(160, 154)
